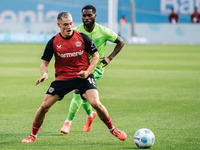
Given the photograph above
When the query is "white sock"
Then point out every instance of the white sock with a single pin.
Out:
(34, 135)
(90, 116)
(111, 130)
(69, 121)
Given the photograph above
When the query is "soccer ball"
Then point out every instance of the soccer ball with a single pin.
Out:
(144, 138)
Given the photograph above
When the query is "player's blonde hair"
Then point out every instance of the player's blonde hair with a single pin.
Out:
(64, 14)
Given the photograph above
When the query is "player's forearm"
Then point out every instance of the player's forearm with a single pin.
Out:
(44, 67)
(93, 63)
(117, 49)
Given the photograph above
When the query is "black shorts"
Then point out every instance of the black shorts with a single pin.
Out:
(63, 87)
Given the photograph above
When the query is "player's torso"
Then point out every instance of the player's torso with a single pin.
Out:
(68, 48)
(98, 36)
(70, 55)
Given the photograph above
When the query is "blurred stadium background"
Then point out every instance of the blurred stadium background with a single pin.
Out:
(34, 21)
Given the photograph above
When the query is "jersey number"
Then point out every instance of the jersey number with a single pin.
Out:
(91, 80)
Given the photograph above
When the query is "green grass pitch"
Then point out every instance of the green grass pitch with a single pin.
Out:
(145, 86)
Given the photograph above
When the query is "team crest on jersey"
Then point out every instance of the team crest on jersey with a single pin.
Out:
(96, 41)
(59, 46)
(78, 44)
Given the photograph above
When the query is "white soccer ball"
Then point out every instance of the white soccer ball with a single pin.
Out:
(144, 138)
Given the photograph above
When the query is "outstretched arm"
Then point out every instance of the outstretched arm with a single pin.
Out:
(93, 63)
(44, 72)
(117, 49)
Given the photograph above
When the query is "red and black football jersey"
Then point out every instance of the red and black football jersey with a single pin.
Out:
(71, 54)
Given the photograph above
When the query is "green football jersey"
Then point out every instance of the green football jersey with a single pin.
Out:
(100, 35)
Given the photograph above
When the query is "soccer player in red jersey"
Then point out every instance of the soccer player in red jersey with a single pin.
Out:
(195, 17)
(73, 70)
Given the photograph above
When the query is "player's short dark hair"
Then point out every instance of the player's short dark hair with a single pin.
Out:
(64, 14)
(89, 7)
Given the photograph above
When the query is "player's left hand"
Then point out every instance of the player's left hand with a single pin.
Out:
(83, 74)
(105, 61)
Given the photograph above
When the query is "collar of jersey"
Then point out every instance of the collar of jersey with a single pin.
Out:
(92, 30)
(67, 37)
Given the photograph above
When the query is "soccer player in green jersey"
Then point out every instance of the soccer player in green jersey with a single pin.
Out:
(100, 35)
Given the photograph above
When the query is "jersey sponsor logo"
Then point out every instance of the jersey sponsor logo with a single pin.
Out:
(59, 46)
(78, 44)
(74, 54)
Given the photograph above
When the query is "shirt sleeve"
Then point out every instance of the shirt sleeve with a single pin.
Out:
(90, 47)
(111, 36)
(48, 52)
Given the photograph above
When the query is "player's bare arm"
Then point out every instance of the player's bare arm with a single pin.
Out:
(44, 72)
(117, 49)
(93, 63)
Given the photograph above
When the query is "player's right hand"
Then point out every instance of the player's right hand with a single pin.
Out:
(83, 74)
(105, 61)
(42, 79)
